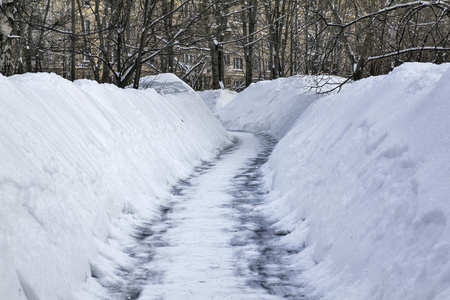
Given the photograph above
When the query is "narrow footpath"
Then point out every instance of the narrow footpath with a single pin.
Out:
(212, 242)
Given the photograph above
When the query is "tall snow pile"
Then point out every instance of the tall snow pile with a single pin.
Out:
(216, 99)
(76, 158)
(269, 106)
(362, 182)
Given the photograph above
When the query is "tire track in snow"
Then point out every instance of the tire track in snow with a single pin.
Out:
(210, 241)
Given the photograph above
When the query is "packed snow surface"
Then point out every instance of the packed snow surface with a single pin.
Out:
(193, 257)
(78, 163)
(362, 182)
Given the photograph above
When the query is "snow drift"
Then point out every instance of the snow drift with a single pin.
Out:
(269, 106)
(362, 183)
(164, 84)
(360, 179)
(216, 99)
(76, 158)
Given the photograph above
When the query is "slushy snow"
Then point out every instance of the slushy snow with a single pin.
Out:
(362, 182)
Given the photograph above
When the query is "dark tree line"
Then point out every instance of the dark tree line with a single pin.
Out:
(119, 41)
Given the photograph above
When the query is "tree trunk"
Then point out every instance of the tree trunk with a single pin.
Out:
(249, 31)
(215, 65)
(73, 44)
(29, 49)
(168, 26)
(6, 28)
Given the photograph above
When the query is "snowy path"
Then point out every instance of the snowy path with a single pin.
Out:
(211, 242)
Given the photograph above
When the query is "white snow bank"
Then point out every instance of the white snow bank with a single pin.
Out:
(165, 83)
(216, 99)
(362, 181)
(269, 106)
(74, 159)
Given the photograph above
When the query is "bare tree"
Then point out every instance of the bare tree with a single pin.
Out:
(361, 40)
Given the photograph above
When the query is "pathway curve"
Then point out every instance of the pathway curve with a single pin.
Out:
(212, 242)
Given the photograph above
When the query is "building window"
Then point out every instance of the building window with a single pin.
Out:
(238, 63)
(268, 65)
(87, 26)
(240, 41)
(255, 64)
(238, 85)
(187, 59)
(134, 32)
(86, 57)
(188, 11)
(227, 60)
